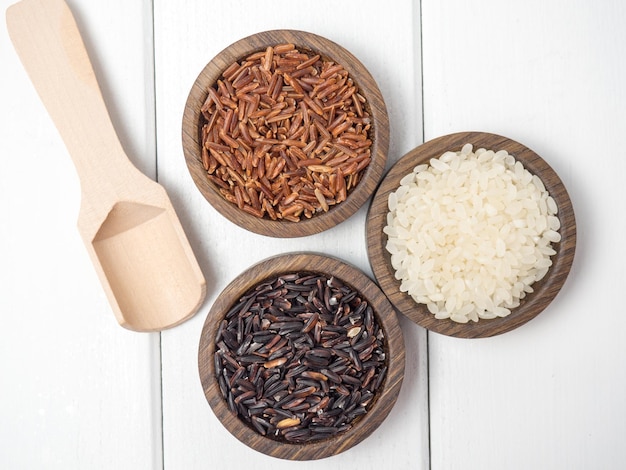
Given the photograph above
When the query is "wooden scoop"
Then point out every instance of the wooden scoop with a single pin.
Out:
(126, 220)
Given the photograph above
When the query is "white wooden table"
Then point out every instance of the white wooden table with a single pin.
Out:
(78, 391)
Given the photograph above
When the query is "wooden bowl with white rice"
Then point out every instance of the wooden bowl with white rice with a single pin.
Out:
(471, 234)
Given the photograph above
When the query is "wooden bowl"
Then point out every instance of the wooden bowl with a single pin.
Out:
(386, 394)
(544, 290)
(379, 133)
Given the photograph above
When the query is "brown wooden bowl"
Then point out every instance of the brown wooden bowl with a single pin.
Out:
(379, 133)
(544, 290)
(386, 394)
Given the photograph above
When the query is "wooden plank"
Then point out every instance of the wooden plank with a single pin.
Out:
(550, 75)
(185, 40)
(78, 391)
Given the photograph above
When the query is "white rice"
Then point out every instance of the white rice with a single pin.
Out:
(470, 233)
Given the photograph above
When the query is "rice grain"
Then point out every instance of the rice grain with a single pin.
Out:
(281, 122)
(470, 232)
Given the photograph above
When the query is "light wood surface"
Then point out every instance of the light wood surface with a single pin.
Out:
(130, 229)
(192, 433)
(79, 391)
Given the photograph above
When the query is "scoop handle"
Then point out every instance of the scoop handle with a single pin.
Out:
(49, 44)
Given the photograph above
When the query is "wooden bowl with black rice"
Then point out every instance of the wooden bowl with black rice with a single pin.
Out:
(285, 133)
(301, 357)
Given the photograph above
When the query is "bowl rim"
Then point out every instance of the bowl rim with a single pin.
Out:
(367, 87)
(544, 291)
(385, 397)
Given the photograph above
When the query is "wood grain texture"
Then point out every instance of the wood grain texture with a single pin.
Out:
(307, 42)
(544, 290)
(386, 396)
